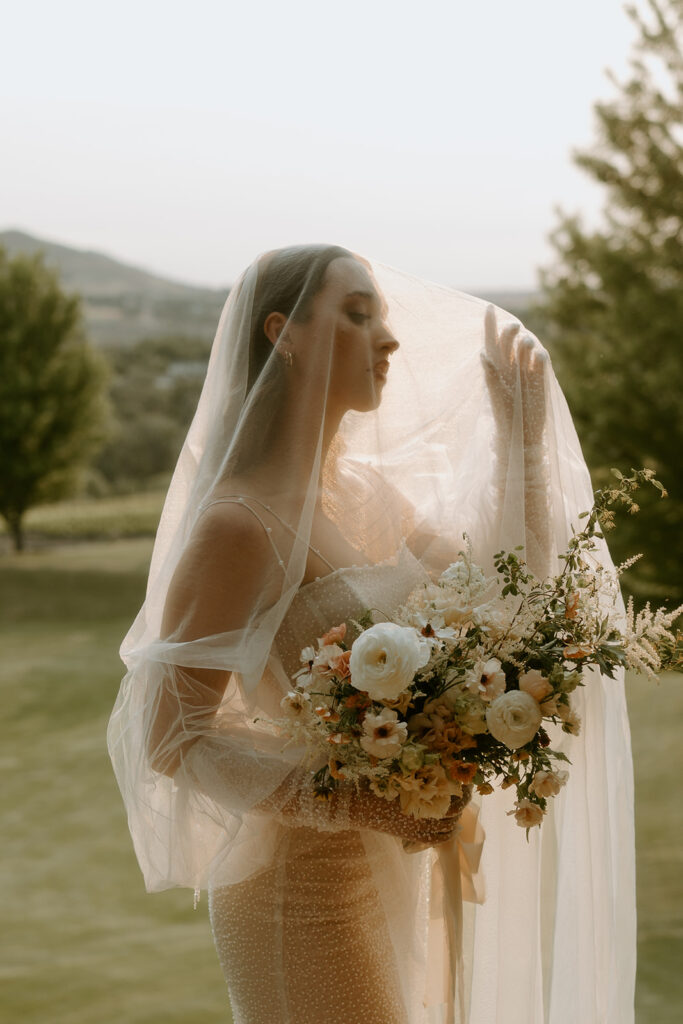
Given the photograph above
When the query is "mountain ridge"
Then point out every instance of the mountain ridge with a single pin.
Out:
(124, 304)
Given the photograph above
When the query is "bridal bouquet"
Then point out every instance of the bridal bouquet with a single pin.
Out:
(460, 686)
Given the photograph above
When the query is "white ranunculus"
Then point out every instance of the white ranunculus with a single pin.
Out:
(385, 658)
(513, 718)
(383, 734)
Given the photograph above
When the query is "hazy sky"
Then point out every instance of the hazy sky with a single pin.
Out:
(434, 135)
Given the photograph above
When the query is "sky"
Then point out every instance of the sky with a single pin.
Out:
(186, 138)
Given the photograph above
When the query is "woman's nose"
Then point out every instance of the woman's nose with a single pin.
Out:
(387, 342)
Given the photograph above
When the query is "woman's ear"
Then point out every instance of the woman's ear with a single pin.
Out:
(273, 326)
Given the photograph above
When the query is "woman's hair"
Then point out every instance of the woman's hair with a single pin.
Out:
(288, 281)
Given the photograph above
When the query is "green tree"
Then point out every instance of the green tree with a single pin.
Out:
(153, 391)
(52, 410)
(612, 304)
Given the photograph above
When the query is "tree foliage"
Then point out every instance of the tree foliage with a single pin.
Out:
(52, 412)
(612, 306)
(153, 390)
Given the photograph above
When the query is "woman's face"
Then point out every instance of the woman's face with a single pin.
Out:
(349, 309)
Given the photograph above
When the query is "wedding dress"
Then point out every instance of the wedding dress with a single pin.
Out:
(315, 918)
(309, 939)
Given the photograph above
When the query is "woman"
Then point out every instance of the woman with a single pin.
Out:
(328, 471)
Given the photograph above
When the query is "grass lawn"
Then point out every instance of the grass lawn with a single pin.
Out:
(82, 942)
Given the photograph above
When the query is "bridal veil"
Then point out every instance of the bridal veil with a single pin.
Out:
(431, 450)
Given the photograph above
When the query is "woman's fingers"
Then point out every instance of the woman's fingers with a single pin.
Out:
(514, 346)
(499, 348)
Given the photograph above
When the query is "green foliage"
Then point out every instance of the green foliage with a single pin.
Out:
(52, 412)
(119, 515)
(612, 309)
(154, 390)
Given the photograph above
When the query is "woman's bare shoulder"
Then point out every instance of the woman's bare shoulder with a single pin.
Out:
(232, 532)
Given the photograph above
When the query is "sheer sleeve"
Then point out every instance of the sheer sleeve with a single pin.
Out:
(202, 720)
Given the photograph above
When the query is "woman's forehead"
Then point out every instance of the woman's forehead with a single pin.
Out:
(346, 276)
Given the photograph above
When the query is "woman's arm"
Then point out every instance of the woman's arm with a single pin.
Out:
(517, 368)
(225, 575)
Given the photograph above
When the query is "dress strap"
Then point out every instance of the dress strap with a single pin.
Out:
(241, 499)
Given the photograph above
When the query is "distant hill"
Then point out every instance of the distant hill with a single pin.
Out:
(123, 304)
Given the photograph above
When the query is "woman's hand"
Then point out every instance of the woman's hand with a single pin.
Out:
(374, 812)
(515, 363)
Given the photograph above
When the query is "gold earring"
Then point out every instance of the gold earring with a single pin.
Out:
(289, 358)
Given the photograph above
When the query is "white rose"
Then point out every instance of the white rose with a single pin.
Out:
(385, 658)
(548, 783)
(513, 718)
(527, 814)
(383, 734)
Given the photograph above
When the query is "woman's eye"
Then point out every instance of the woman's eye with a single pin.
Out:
(359, 318)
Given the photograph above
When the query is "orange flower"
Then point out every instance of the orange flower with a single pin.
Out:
(461, 771)
(334, 635)
(327, 714)
(484, 788)
(571, 604)
(509, 780)
(451, 739)
(357, 700)
(334, 768)
(575, 651)
(340, 738)
(340, 665)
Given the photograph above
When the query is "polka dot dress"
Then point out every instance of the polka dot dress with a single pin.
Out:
(306, 941)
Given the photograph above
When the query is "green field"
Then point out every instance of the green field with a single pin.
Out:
(83, 943)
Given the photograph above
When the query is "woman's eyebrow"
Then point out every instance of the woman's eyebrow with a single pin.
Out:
(373, 296)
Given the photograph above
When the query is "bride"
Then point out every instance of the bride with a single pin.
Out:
(353, 423)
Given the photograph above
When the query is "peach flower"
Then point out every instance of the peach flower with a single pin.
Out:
(334, 635)
(548, 783)
(527, 814)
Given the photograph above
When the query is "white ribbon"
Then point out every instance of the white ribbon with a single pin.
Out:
(459, 862)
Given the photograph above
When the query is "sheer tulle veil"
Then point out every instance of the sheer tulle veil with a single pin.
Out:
(421, 454)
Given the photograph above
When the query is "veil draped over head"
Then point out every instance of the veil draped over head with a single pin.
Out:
(319, 443)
